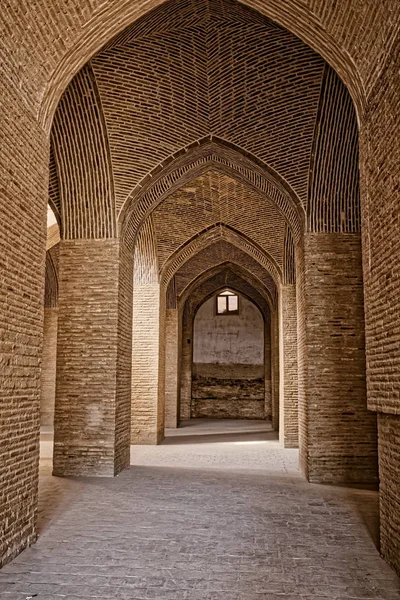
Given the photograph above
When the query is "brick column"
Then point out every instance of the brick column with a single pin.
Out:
(389, 470)
(337, 433)
(148, 370)
(267, 371)
(172, 352)
(288, 369)
(186, 368)
(91, 424)
(275, 371)
(48, 373)
(23, 199)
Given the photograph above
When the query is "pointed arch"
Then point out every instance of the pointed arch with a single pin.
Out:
(211, 235)
(111, 19)
(228, 266)
(83, 163)
(192, 161)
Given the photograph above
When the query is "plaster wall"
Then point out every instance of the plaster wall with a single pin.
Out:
(228, 363)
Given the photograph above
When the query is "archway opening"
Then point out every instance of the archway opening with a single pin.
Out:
(228, 371)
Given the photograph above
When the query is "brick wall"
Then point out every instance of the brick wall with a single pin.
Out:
(389, 470)
(275, 370)
(172, 375)
(267, 370)
(186, 362)
(339, 432)
(381, 248)
(124, 360)
(48, 374)
(23, 207)
(146, 368)
(43, 49)
(288, 368)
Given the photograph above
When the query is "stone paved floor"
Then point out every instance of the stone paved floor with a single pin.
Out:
(212, 514)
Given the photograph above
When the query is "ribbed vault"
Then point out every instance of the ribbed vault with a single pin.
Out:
(177, 94)
(338, 35)
(217, 198)
(192, 162)
(223, 241)
(228, 275)
(216, 284)
(215, 254)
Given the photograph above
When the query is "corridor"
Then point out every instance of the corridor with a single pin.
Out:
(218, 511)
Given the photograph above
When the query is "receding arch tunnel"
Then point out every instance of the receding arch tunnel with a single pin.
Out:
(186, 149)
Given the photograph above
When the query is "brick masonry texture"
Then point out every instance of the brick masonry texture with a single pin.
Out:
(216, 198)
(339, 434)
(172, 367)
(389, 472)
(217, 96)
(87, 401)
(205, 288)
(288, 368)
(146, 368)
(42, 50)
(83, 165)
(261, 534)
(23, 198)
(219, 253)
(49, 359)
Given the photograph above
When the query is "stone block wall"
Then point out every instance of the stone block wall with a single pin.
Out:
(339, 433)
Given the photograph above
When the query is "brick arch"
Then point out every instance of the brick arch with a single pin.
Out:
(258, 302)
(213, 256)
(212, 235)
(54, 199)
(191, 162)
(292, 15)
(83, 168)
(228, 267)
(51, 277)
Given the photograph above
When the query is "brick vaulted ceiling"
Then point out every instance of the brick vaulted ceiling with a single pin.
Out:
(192, 69)
(216, 198)
(197, 67)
